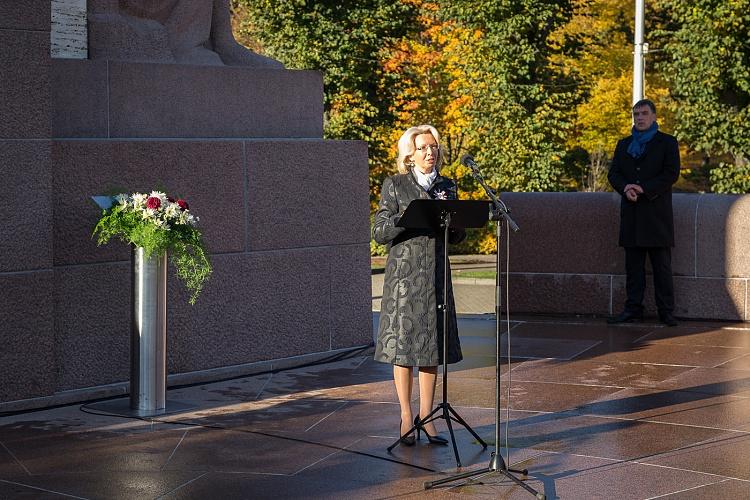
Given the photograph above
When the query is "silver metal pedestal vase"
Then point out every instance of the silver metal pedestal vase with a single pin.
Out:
(148, 343)
(148, 333)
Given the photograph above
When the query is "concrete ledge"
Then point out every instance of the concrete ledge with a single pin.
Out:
(94, 98)
(602, 294)
(565, 233)
(722, 236)
(559, 293)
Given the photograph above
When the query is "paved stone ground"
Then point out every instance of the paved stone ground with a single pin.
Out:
(627, 412)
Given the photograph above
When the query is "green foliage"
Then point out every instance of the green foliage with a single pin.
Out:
(343, 41)
(730, 179)
(424, 71)
(708, 68)
(182, 240)
(522, 103)
(601, 34)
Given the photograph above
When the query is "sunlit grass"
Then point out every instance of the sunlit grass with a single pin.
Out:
(476, 274)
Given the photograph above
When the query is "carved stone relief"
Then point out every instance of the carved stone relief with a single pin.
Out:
(171, 31)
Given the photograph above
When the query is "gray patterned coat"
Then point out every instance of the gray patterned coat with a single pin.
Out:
(410, 330)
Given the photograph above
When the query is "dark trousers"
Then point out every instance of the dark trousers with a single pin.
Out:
(635, 283)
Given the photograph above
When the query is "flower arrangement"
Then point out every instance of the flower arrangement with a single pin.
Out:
(157, 223)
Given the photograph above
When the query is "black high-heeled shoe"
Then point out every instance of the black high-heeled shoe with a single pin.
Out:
(436, 439)
(406, 440)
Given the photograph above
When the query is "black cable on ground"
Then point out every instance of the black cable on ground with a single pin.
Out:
(330, 359)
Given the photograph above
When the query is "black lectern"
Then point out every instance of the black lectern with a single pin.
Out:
(444, 215)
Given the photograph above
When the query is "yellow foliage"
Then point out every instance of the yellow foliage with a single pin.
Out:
(487, 243)
(605, 117)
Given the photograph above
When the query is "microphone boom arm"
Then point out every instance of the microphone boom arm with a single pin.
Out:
(500, 207)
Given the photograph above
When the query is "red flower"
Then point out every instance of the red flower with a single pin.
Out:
(153, 203)
(183, 204)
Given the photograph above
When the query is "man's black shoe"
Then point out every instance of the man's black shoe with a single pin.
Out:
(668, 319)
(626, 317)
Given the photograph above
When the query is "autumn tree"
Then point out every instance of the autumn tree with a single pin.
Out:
(522, 103)
(603, 62)
(424, 70)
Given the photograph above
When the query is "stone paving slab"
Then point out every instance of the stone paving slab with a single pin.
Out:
(648, 412)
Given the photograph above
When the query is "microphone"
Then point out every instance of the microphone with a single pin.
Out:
(468, 161)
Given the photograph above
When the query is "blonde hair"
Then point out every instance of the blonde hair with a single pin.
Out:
(406, 147)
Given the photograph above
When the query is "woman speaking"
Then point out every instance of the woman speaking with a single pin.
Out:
(410, 330)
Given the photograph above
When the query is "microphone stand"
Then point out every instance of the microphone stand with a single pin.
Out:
(497, 464)
(500, 209)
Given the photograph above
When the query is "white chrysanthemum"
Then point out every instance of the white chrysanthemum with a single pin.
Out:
(122, 199)
(160, 195)
(139, 200)
(148, 213)
(172, 211)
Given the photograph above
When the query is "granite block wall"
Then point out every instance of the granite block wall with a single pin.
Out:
(209, 174)
(291, 257)
(31, 15)
(284, 214)
(566, 260)
(27, 359)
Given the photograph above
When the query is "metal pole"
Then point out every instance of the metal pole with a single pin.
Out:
(638, 60)
(498, 347)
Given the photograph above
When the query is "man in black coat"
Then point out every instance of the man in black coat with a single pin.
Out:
(644, 167)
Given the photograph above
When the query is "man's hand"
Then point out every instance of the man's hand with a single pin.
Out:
(632, 191)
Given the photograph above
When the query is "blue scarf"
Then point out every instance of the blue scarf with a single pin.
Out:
(638, 145)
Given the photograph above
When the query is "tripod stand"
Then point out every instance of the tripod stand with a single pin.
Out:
(431, 213)
(497, 464)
